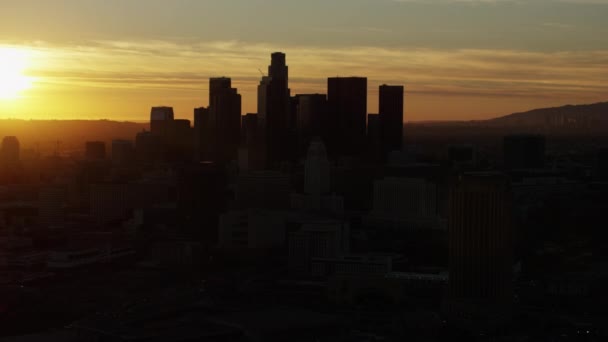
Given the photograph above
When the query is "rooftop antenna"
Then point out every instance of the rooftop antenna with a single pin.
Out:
(260, 70)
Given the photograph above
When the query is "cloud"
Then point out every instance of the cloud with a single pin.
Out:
(146, 62)
(155, 70)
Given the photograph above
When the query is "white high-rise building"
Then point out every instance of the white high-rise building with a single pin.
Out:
(317, 184)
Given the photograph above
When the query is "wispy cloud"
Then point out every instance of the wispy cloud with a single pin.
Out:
(155, 60)
(167, 70)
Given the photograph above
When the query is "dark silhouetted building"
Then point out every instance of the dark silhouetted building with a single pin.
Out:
(201, 199)
(391, 117)
(405, 204)
(202, 132)
(251, 153)
(123, 151)
(252, 229)
(317, 170)
(9, 153)
(602, 163)
(180, 142)
(312, 239)
(354, 181)
(249, 128)
(524, 151)
(116, 201)
(223, 134)
(480, 260)
(462, 157)
(316, 198)
(278, 68)
(148, 147)
(374, 136)
(217, 85)
(347, 108)
(263, 190)
(311, 116)
(273, 111)
(161, 119)
(95, 150)
(52, 202)
(180, 131)
(461, 153)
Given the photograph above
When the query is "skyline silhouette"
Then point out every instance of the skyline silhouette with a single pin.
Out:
(458, 59)
(307, 171)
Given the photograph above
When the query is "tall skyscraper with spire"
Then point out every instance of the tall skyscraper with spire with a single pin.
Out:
(273, 110)
(278, 68)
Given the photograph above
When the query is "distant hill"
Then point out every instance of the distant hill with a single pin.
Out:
(579, 117)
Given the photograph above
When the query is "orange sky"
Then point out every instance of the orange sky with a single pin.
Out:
(91, 63)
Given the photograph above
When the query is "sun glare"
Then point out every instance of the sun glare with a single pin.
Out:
(13, 63)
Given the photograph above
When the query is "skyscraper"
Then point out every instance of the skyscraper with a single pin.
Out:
(391, 117)
(311, 116)
(160, 120)
(263, 190)
(602, 163)
(148, 147)
(180, 141)
(317, 198)
(122, 151)
(278, 68)
(405, 204)
(251, 152)
(374, 137)
(480, 246)
(317, 170)
(273, 110)
(200, 198)
(201, 133)
(224, 122)
(10, 150)
(347, 102)
(249, 128)
(216, 86)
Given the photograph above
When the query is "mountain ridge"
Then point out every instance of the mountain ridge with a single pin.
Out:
(585, 115)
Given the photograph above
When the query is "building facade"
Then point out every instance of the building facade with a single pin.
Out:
(347, 105)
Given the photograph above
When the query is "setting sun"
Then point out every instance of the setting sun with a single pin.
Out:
(13, 63)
